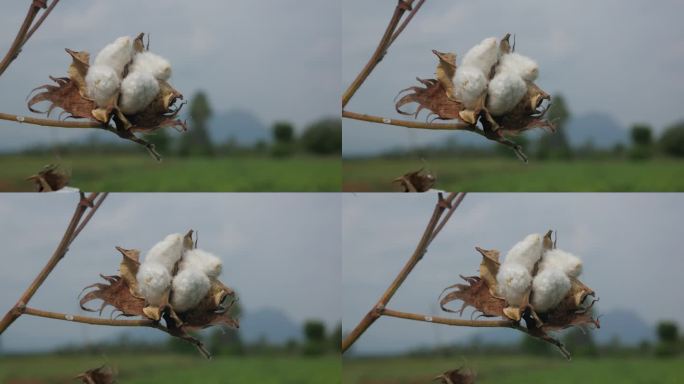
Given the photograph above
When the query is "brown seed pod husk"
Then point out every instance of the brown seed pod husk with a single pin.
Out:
(457, 376)
(50, 179)
(417, 181)
(101, 375)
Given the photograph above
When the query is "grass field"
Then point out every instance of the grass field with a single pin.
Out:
(517, 370)
(188, 369)
(114, 173)
(510, 175)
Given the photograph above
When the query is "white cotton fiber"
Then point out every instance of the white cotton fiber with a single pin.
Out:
(189, 287)
(138, 90)
(166, 252)
(549, 287)
(117, 54)
(525, 67)
(513, 280)
(482, 56)
(506, 89)
(204, 261)
(153, 281)
(570, 264)
(102, 82)
(469, 83)
(526, 252)
(152, 63)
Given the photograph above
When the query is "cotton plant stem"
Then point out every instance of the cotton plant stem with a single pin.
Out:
(404, 23)
(68, 237)
(88, 320)
(385, 41)
(448, 321)
(52, 122)
(20, 39)
(40, 21)
(421, 248)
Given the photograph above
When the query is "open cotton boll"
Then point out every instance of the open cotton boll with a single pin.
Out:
(506, 90)
(102, 82)
(138, 90)
(189, 287)
(206, 262)
(549, 287)
(570, 264)
(525, 67)
(526, 252)
(513, 280)
(469, 83)
(117, 54)
(153, 281)
(152, 63)
(166, 252)
(482, 56)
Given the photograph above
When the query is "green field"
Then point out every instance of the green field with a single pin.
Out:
(516, 370)
(510, 175)
(114, 173)
(190, 369)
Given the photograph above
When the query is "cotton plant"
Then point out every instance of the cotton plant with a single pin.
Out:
(536, 282)
(125, 85)
(175, 282)
(493, 86)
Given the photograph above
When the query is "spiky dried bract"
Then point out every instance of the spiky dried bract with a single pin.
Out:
(188, 288)
(526, 252)
(570, 264)
(102, 84)
(210, 264)
(483, 56)
(514, 282)
(151, 63)
(549, 287)
(506, 90)
(116, 55)
(470, 85)
(167, 252)
(138, 90)
(521, 65)
(153, 282)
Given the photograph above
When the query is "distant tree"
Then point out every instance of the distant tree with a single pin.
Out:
(197, 141)
(668, 337)
(323, 137)
(283, 137)
(555, 144)
(672, 140)
(314, 332)
(336, 338)
(642, 142)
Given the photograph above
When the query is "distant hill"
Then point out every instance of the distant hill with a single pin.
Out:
(598, 128)
(238, 124)
(270, 323)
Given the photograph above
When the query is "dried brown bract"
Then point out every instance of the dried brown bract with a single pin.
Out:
(101, 375)
(50, 179)
(122, 293)
(416, 181)
(480, 293)
(456, 376)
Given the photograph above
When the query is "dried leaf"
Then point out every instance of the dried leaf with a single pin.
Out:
(417, 181)
(49, 179)
(64, 95)
(456, 376)
(489, 267)
(474, 294)
(101, 375)
(128, 269)
(446, 69)
(117, 294)
(78, 69)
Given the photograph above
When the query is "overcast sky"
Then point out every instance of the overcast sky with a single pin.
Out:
(279, 251)
(630, 245)
(277, 59)
(624, 58)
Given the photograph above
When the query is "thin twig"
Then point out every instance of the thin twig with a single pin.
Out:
(42, 18)
(88, 319)
(448, 321)
(20, 39)
(427, 237)
(90, 214)
(405, 22)
(383, 45)
(68, 237)
(52, 122)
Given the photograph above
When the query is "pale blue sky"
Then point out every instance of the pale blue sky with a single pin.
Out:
(279, 251)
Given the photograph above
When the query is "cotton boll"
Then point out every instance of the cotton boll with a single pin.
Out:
(482, 56)
(513, 281)
(117, 54)
(506, 90)
(526, 252)
(204, 261)
(153, 281)
(469, 83)
(166, 252)
(525, 67)
(549, 287)
(102, 82)
(138, 90)
(189, 287)
(152, 63)
(570, 264)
